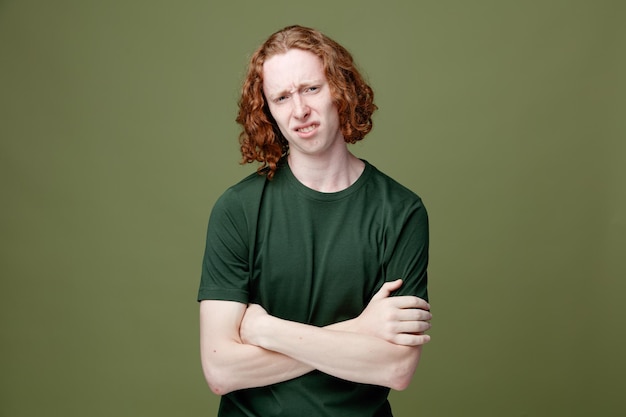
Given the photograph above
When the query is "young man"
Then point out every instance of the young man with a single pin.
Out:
(313, 290)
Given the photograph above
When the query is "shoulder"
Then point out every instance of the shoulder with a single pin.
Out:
(242, 192)
(239, 203)
(247, 184)
(391, 191)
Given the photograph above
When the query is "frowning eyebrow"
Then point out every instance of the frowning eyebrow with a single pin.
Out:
(288, 91)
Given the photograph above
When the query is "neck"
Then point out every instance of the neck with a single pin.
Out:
(327, 175)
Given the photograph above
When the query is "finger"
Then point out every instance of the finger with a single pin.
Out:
(387, 289)
(409, 301)
(421, 303)
(412, 327)
(412, 339)
(413, 314)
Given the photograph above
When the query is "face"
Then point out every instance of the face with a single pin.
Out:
(299, 99)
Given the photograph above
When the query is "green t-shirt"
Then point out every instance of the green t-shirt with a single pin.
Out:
(314, 258)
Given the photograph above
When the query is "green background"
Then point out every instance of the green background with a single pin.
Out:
(117, 135)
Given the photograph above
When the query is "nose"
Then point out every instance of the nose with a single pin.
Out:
(300, 108)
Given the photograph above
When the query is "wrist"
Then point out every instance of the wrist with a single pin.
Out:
(250, 330)
(262, 331)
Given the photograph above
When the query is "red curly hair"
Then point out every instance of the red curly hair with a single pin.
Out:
(261, 139)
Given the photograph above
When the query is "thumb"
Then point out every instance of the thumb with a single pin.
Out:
(387, 288)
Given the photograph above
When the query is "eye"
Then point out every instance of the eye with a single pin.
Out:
(312, 89)
(281, 99)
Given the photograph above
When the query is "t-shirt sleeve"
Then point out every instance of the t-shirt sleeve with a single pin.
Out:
(225, 265)
(408, 256)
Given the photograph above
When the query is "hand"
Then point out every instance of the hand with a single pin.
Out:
(249, 324)
(401, 320)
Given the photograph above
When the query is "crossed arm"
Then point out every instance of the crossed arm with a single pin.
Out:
(244, 347)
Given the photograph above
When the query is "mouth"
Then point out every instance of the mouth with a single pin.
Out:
(307, 129)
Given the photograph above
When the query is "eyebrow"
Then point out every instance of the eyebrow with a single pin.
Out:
(274, 95)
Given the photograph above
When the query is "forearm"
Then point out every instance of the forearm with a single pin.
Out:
(341, 353)
(234, 366)
(231, 365)
(243, 347)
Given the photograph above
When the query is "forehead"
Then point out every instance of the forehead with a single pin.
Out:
(291, 69)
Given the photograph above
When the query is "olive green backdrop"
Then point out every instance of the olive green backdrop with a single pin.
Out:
(117, 135)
